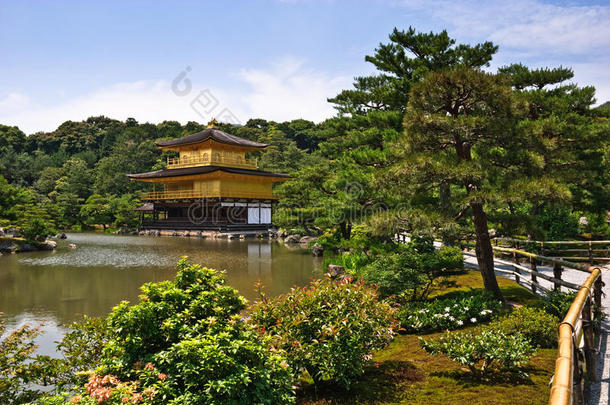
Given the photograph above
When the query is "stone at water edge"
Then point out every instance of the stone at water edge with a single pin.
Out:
(292, 239)
(49, 245)
(61, 236)
(335, 271)
(72, 246)
(305, 240)
(317, 250)
(8, 247)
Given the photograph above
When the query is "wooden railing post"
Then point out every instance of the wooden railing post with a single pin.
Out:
(517, 273)
(515, 256)
(578, 394)
(597, 292)
(588, 340)
(557, 270)
(590, 254)
(597, 301)
(534, 278)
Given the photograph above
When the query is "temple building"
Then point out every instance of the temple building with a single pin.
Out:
(211, 185)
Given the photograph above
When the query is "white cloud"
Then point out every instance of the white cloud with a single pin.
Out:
(534, 32)
(290, 91)
(526, 25)
(287, 90)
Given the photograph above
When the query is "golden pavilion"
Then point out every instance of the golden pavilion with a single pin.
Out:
(211, 185)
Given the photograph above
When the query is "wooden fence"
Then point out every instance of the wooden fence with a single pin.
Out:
(576, 339)
(591, 251)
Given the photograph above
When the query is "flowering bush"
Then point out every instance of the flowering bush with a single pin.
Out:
(191, 331)
(538, 327)
(328, 329)
(490, 349)
(109, 390)
(446, 314)
(184, 343)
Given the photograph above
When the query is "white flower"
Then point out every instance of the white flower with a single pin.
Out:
(465, 308)
(473, 320)
(447, 309)
(451, 318)
(460, 323)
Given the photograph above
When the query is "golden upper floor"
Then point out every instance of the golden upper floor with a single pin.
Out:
(211, 147)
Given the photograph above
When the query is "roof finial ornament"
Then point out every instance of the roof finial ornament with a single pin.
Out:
(213, 123)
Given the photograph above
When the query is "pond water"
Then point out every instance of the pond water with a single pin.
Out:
(59, 287)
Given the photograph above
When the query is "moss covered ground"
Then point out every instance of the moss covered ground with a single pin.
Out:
(403, 373)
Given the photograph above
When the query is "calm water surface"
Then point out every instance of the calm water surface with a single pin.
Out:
(59, 287)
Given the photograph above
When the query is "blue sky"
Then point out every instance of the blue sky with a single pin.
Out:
(273, 59)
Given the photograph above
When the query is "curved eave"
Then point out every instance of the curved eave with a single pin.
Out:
(210, 134)
(202, 171)
(185, 145)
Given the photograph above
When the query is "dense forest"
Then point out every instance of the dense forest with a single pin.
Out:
(431, 142)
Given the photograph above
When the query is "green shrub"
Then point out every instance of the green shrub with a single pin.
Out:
(350, 261)
(482, 352)
(558, 303)
(16, 367)
(538, 327)
(328, 328)
(37, 227)
(466, 308)
(184, 342)
(413, 269)
(557, 223)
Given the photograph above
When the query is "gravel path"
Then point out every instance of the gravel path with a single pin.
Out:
(599, 392)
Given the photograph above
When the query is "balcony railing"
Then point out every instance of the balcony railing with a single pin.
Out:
(187, 194)
(175, 163)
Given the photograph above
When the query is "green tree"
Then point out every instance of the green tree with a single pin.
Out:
(122, 209)
(567, 143)
(12, 137)
(404, 61)
(96, 210)
(460, 131)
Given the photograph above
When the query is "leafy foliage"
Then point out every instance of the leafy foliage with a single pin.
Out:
(557, 303)
(535, 325)
(16, 368)
(482, 352)
(191, 330)
(184, 342)
(329, 328)
(411, 269)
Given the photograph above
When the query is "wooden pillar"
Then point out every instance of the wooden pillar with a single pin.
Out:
(557, 270)
(534, 277)
(590, 254)
(515, 255)
(578, 395)
(597, 300)
(588, 340)
(517, 273)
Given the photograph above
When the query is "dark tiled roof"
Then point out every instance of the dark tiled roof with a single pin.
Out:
(215, 134)
(203, 170)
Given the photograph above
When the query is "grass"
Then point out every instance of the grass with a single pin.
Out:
(403, 373)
